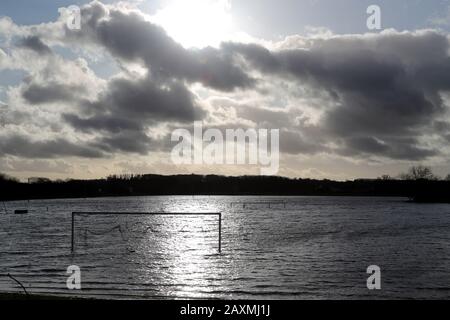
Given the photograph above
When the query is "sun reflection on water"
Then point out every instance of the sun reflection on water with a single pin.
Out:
(186, 247)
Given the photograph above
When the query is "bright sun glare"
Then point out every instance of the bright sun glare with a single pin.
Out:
(196, 23)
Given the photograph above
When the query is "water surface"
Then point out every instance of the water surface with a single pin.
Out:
(307, 248)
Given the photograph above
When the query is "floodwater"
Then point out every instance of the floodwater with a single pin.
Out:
(272, 247)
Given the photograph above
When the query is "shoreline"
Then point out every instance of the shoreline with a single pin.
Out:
(5, 296)
(210, 195)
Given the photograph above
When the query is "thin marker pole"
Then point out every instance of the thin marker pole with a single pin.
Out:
(73, 228)
(220, 232)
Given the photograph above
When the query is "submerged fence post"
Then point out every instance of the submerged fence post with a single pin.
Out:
(73, 229)
(220, 232)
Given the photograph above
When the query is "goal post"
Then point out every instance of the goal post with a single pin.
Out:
(218, 214)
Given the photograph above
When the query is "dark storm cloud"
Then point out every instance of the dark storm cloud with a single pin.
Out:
(441, 127)
(400, 149)
(294, 143)
(134, 104)
(386, 86)
(17, 145)
(99, 123)
(51, 92)
(130, 37)
(35, 43)
(128, 142)
(101, 146)
(122, 114)
(258, 56)
(143, 99)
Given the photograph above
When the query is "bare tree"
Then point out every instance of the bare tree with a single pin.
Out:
(419, 172)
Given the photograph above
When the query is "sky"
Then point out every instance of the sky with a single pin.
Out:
(348, 101)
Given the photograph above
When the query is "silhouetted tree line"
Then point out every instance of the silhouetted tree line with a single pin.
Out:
(419, 185)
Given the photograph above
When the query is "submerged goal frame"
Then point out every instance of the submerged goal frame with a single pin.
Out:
(219, 214)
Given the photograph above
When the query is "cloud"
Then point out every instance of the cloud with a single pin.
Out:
(384, 86)
(122, 114)
(400, 149)
(35, 44)
(14, 117)
(264, 117)
(51, 92)
(292, 142)
(128, 142)
(370, 97)
(29, 165)
(26, 147)
(129, 36)
(143, 99)
(119, 115)
(98, 123)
